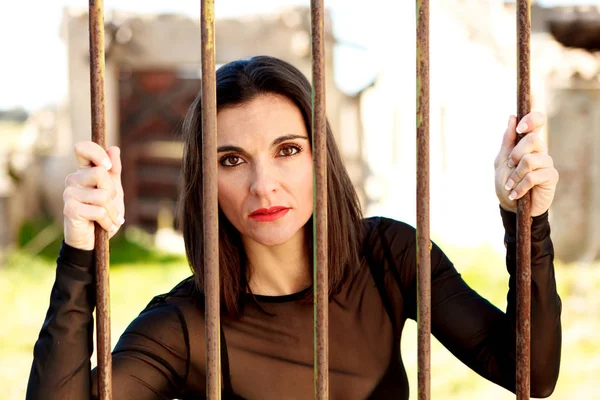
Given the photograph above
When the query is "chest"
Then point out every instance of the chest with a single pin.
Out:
(270, 351)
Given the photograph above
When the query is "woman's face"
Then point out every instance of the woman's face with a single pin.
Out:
(265, 169)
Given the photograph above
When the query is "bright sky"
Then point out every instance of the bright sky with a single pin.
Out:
(33, 63)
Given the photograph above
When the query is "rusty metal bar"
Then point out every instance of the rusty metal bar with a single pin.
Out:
(523, 211)
(319, 128)
(96, 28)
(423, 240)
(210, 206)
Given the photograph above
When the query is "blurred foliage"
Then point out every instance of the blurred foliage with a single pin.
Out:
(131, 246)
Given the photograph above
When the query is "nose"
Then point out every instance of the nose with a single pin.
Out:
(264, 180)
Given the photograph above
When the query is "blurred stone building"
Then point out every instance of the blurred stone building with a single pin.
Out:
(152, 75)
(569, 41)
(473, 90)
(153, 65)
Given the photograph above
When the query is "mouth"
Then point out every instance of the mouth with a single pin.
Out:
(269, 214)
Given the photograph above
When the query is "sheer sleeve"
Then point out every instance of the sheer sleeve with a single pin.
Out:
(150, 361)
(475, 331)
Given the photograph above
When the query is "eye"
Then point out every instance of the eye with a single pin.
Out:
(290, 150)
(230, 161)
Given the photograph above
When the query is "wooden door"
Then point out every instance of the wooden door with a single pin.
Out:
(152, 106)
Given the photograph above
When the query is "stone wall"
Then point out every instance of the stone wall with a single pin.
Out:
(173, 41)
(574, 127)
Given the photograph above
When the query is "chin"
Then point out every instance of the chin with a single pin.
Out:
(272, 236)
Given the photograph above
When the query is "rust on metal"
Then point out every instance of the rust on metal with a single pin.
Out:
(210, 206)
(523, 211)
(319, 128)
(423, 239)
(97, 68)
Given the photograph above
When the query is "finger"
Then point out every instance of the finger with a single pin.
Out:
(529, 162)
(531, 143)
(96, 197)
(89, 154)
(509, 139)
(540, 177)
(114, 155)
(75, 210)
(531, 122)
(95, 177)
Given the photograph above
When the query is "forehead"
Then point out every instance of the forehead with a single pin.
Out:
(267, 115)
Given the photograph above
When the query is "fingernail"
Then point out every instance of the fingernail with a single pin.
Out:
(121, 220)
(511, 164)
(114, 229)
(509, 184)
(512, 195)
(107, 164)
(522, 127)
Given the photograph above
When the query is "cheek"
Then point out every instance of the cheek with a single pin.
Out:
(228, 194)
(303, 177)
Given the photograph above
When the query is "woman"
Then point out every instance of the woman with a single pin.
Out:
(265, 220)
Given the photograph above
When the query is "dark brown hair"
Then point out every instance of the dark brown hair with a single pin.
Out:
(237, 83)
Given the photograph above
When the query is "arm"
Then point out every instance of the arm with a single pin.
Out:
(475, 331)
(481, 336)
(546, 306)
(149, 362)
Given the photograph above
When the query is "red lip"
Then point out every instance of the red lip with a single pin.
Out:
(269, 214)
(267, 210)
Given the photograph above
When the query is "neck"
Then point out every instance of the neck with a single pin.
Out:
(278, 270)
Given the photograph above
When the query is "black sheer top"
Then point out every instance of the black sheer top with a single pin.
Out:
(268, 352)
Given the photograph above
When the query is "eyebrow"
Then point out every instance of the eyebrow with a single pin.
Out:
(277, 141)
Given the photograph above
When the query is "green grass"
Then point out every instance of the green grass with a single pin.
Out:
(134, 247)
(25, 283)
(484, 270)
(138, 273)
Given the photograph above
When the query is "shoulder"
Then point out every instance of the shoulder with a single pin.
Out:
(167, 314)
(159, 337)
(393, 242)
(183, 294)
(388, 233)
(163, 323)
